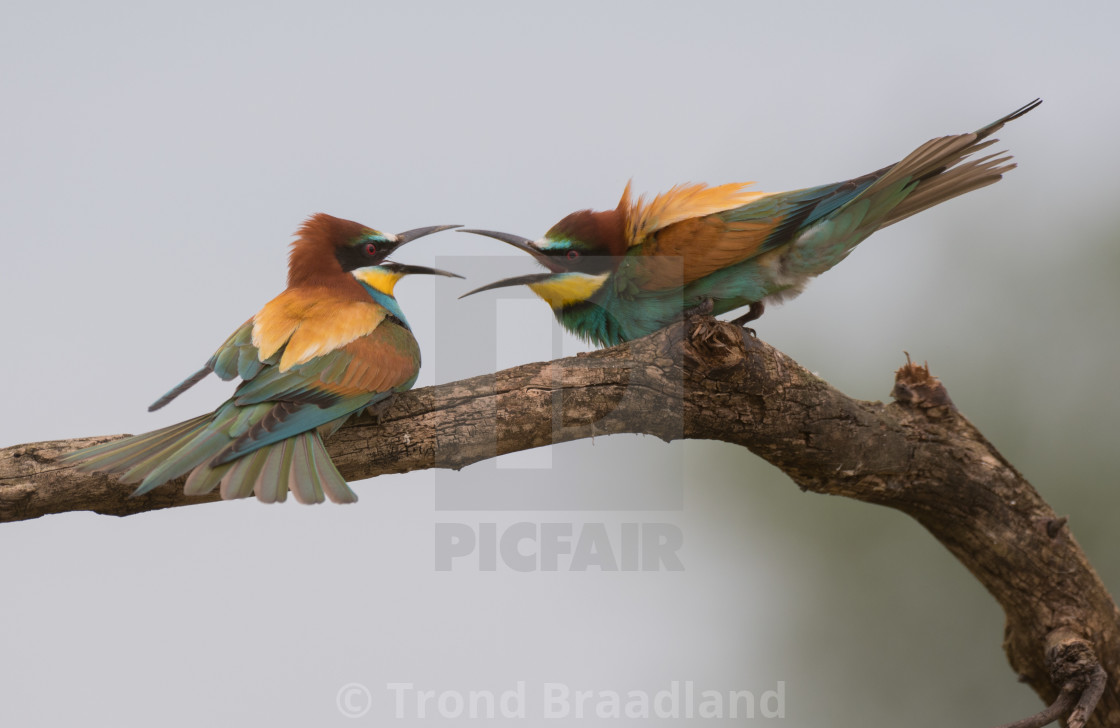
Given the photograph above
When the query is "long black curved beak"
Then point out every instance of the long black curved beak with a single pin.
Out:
(523, 244)
(515, 281)
(409, 235)
(409, 270)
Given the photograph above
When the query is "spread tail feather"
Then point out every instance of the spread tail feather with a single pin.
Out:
(300, 464)
(937, 171)
(941, 171)
(966, 177)
(121, 456)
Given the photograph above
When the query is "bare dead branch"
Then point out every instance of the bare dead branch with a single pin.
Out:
(1058, 709)
(1074, 666)
(703, 379)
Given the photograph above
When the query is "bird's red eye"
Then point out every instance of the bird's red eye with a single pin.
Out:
(573, 255)
(371, 249)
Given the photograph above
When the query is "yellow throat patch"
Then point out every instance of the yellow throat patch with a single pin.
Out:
(378, 279)
(565, 289)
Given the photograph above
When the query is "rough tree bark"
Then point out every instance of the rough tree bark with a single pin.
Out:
(704, 379)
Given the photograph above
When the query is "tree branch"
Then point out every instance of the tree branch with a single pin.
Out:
(703, 379)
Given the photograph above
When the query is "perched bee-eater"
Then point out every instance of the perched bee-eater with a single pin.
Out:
(624, 273)
(333, 343)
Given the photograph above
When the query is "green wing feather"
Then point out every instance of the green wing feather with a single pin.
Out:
(268, 437)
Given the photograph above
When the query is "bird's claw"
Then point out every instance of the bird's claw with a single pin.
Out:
(755, 311)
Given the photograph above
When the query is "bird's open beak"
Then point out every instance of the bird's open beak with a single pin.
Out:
(523, 244)
(409, 235)
(410, 270)
(515, 281)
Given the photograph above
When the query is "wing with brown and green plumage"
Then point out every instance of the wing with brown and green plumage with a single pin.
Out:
(284, 415)
(307, 367)
(304, 322)
(692, 249)
(774, 242)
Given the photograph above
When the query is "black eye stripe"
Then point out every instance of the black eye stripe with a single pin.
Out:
(586, 261)
(352, 257)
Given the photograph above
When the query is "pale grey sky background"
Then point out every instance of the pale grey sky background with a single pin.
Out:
(157, 157)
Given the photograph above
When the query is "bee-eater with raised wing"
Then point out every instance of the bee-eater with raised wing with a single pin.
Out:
(333, 343)
(620, 274)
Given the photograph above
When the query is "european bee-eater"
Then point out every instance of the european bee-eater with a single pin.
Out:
(333, 343)
(624, 273)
